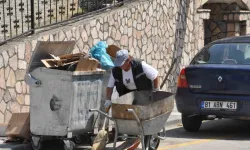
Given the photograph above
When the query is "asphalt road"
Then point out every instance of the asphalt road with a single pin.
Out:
(222, 134)
(214, 135)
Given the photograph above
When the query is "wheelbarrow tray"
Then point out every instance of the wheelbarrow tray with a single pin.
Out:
(152, 109)
(146, 105)
(150, 127)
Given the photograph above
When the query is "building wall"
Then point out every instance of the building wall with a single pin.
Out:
(224, 21)
(154, 30)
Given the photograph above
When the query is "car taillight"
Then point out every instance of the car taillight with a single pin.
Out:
(182, 81)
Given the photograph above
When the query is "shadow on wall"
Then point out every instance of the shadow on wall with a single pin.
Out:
(179, 41)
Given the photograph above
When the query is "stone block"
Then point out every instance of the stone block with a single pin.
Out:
(2, 79)
(7, 96)
(94, 33)
(28, 49)
(15, 107)
(24, 85)
(11, 81)
(25, 109)
(2, 106)
(11, 51)
(20, 99)
(149, 59)
(1, 61)
(116, 34)
(27, 99)
(21, 51)
(1, 118)
(12, 93)
(230, 27)
(12, 62)
(5, 58)
(124, 40)
(7, 116)
(22, 64)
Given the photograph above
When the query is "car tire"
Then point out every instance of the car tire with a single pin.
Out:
(191, 124)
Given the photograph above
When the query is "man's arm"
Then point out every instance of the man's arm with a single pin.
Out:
(152, 74)
(109, 93)
(156, 83)
(110, 87)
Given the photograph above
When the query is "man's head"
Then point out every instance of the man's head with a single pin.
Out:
(123, 60)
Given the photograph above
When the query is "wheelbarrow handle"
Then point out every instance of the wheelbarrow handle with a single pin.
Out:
(101, 112)
(161, 137)
(135, 115)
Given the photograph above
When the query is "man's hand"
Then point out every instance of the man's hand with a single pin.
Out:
(107, 104)
(156, 89)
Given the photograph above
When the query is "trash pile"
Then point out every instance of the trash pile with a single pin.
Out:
(97, 58)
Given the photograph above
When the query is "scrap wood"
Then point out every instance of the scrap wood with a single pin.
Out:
(62, 60)
(69, 56)
(55, 57)
(55, 63)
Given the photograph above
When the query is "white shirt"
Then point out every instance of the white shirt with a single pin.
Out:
(128, 79)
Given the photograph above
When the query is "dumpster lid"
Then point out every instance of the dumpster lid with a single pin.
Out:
(45, 48)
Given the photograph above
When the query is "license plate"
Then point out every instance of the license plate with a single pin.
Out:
(217, 105)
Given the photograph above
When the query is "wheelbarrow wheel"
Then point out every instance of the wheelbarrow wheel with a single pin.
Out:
(151, 143)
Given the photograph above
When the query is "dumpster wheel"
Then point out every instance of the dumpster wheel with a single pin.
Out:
(36, 143)
(69, 145)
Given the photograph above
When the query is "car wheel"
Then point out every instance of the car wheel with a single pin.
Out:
(191, 124)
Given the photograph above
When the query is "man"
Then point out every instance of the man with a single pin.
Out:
(129, 75)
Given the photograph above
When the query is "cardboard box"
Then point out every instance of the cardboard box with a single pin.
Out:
(19, 126)
(112, 49)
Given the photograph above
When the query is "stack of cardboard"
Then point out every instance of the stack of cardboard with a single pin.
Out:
(19, 126)
(78, 61)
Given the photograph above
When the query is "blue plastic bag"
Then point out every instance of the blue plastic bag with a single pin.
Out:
(99, 52)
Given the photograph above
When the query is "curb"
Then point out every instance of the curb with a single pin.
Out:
(173, 123)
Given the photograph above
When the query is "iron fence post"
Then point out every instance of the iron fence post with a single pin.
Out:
(32, 16)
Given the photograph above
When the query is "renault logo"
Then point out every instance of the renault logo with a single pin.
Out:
(220, 79)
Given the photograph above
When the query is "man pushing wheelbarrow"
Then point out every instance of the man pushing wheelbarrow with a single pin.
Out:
(129, 75)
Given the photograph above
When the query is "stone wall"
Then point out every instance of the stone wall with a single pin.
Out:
(154, 30)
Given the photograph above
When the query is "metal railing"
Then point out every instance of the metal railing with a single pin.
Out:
(22, 17)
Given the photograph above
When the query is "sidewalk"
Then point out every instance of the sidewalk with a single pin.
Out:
(174, 118)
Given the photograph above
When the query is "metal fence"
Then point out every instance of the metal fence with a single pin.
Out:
(22, 17)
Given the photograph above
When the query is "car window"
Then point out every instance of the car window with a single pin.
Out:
(228, 53)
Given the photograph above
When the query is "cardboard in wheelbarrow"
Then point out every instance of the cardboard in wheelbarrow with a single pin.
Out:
(19, 126)
(146, 105)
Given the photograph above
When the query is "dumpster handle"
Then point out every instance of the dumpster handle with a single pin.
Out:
(101, 112)
(30, 80)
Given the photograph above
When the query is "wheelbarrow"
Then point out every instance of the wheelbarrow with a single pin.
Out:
(141, 114)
